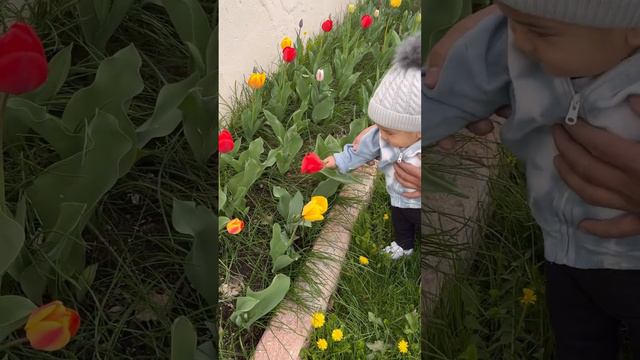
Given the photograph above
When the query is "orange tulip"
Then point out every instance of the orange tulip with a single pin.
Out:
(51, 326)
(235, 226)
(256, 80)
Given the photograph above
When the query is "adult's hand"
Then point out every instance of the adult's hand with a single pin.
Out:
(408, 176)
(436, 60)
(604, 170)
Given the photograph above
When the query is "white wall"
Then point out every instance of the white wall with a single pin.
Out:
(251, 30)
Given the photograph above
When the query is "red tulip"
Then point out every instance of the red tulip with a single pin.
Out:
(366, 21)
(327, 25)
(289, 54)
(311, 164)
(23, 65)
(225, 141)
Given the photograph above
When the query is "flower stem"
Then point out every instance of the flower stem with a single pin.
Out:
(3, 105)
(13, 343)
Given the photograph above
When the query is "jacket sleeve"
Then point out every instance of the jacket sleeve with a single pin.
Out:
(473, 82)
(368, 150)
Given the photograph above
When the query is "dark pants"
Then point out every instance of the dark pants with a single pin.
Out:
(406, 226)
(588, 309)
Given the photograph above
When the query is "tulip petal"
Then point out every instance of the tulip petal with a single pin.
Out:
(43, 312)
(21, 38)
(74, 322)
(22, 72)
(48, 336)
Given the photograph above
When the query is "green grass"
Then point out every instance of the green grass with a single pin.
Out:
(479, 314)
(140, 286)
(387, 289)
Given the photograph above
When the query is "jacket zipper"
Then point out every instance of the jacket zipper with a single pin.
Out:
(574, 109)
(570, 119)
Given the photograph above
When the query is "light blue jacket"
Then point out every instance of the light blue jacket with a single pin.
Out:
(372, 147)
(483, 71)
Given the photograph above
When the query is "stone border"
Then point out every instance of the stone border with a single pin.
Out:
(456, 221)
(290, 327)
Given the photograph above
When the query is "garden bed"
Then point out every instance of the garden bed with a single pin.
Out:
(327, 115)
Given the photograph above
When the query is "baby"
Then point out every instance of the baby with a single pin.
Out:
(395, 108)
(553, 61)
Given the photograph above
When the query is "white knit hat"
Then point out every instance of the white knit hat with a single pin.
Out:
(396, 102)
(595, 13)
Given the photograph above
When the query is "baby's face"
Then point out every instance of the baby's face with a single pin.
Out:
(397, 138)
(567, 50)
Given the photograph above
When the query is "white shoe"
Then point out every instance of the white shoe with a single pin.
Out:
(396, 251)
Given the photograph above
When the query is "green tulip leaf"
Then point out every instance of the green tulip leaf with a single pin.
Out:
(202, 260)
(14, 311)
(166, 115)
(257, 304)
(183, 339)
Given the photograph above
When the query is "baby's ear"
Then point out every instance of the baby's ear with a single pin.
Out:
(633, 37)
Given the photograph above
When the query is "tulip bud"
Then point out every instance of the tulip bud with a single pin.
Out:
(320, 75)
(351, 8)
(376, 13)
(300, 23)
(51, 326)
(327, 25)
(225, 141)
(315, 209)
(286, 42)
(256, 80)
(235, 226)
(289, 54)
(311, 164)
(23, 64)
(366, 21)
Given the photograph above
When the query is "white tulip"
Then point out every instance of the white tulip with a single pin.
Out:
(320, 75)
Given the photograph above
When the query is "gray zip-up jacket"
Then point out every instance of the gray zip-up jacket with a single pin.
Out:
(483, 71)
(372, 147)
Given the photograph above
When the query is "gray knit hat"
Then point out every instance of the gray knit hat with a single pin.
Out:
(596, 13)
(396, 102)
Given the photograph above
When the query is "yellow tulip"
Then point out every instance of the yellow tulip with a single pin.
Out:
(351, 8)
(286, 42)
(395, 3)
(256, 80)
(314, 209)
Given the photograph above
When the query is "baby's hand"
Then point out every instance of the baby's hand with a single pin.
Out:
(329, 162)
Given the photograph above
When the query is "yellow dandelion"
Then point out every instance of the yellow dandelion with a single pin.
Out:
(337, 335)
(317, 320)
(363, 260)
(385, 216)
(529, 297)
(322, 344)
(403, 346)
